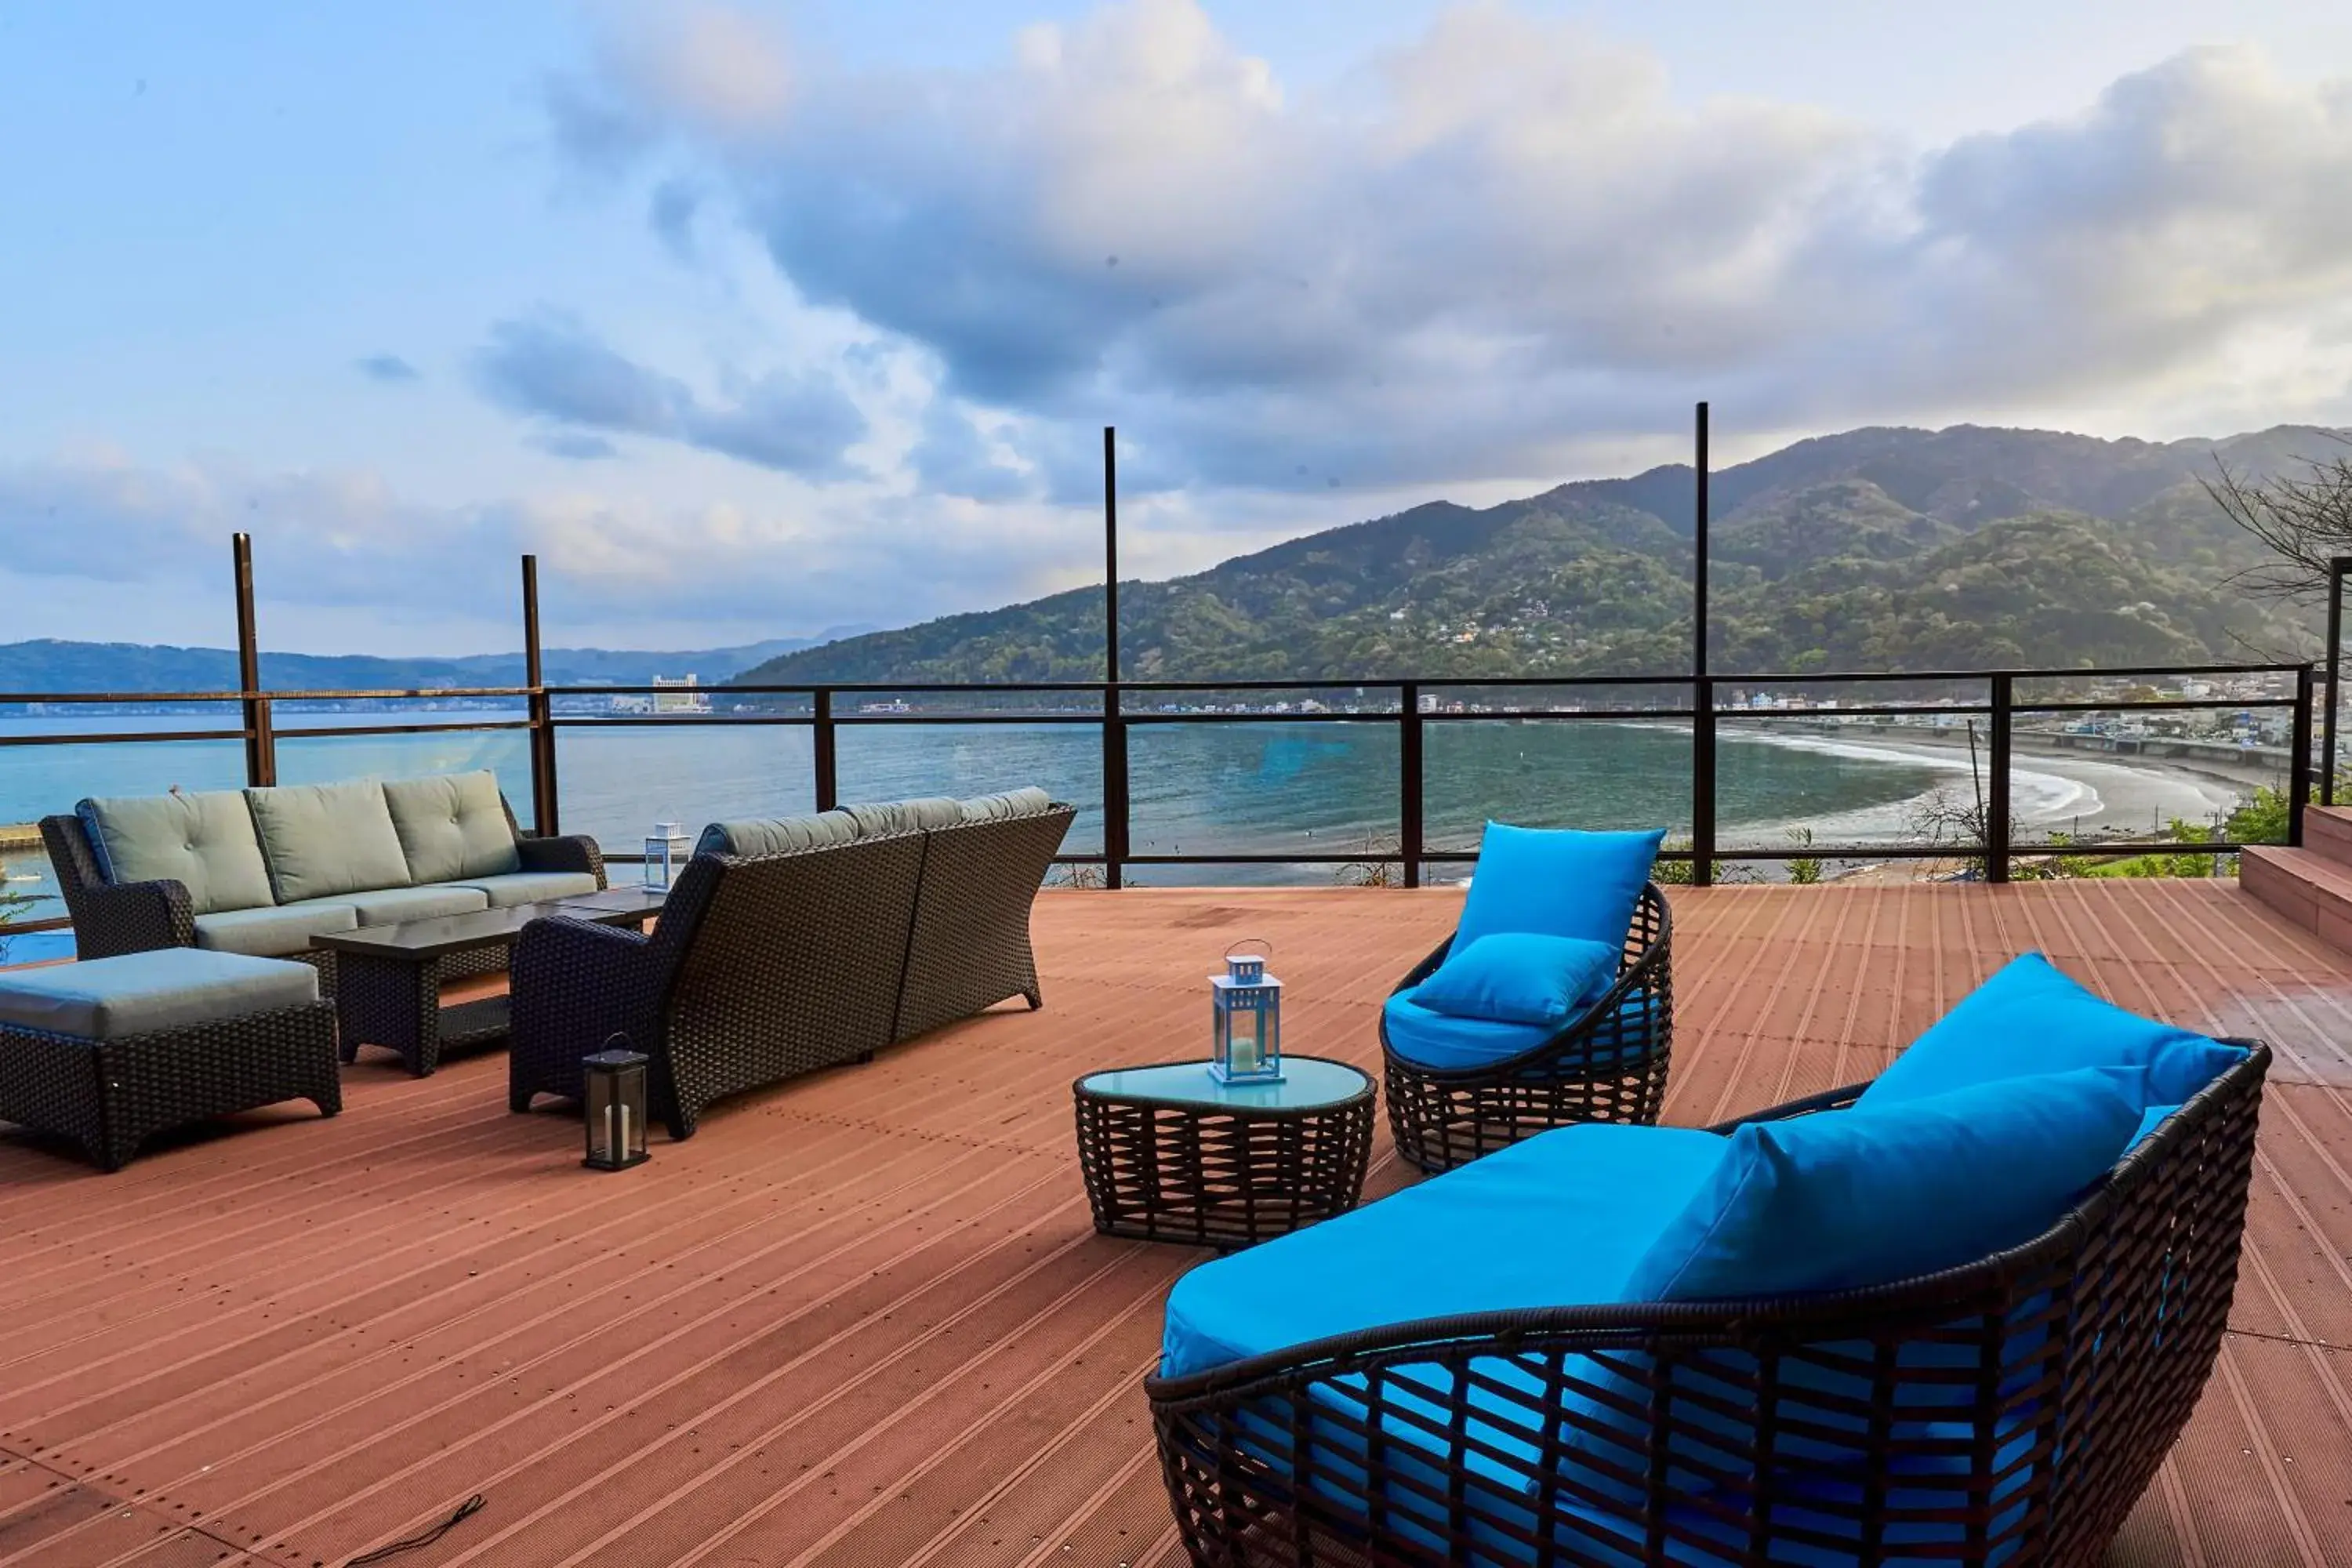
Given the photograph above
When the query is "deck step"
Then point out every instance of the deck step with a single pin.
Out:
(2309, 886)
(2327, 831)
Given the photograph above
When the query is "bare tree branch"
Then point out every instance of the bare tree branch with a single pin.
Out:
(2302, 521)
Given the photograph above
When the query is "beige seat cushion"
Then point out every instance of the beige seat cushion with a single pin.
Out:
(273, 930)
(531, 887)
(141, 992)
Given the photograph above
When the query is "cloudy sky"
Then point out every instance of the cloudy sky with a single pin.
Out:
(755, 320)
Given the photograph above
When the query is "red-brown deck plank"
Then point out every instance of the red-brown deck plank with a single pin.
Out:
(861, 1319)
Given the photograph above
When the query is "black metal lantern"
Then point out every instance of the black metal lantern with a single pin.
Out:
(614, 1100)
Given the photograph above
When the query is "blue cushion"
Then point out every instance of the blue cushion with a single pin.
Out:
(1558, 882)
(1520, 977)
(2031, 1018)
(1440, 1040)
(1555, 1221)
(2149, 1123)
(1855, 1198)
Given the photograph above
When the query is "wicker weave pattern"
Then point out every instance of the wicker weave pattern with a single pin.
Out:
(1216, 1176)
(1610, 1065)
(796, 967)
(760, 969)
(109, 1096)
(2058, 1374)
(970, 949)
(573, 852)
(108, 920)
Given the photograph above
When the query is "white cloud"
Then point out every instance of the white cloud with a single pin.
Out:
(1512, 238)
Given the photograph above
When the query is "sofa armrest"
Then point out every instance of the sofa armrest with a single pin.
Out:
(572, 852)
(135, 917)
(572, 984)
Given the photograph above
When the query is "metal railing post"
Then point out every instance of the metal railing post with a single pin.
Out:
(2337, 565)
(1114, 777)
(2298, 763)
(1410, 828)
(824, 743)
(545, 811)
(260, 743)
(1702, 782)
(1996, 822)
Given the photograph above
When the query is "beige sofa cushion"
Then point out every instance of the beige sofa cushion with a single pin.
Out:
(777, 836)
(320, 840)
(204, 841)
(452, 826)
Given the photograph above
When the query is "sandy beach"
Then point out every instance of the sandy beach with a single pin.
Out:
(2053, 789)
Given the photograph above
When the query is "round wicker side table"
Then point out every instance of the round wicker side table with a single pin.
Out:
(1171, 1155)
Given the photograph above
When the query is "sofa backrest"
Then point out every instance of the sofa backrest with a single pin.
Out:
(204, 840)
(969, 946)
(846, 824)
(780, 964)
(452, 826)
(321, 840)
(777, 835)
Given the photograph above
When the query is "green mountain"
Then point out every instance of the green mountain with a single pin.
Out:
(1877, 548)
(49, 665)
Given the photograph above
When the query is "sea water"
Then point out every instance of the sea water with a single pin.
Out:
(1251, 788)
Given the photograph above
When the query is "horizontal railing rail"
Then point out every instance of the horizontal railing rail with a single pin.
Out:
(1409, 706)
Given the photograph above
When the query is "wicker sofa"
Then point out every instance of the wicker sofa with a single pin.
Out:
(790, 945)
(261, 871)
(2007, 1408)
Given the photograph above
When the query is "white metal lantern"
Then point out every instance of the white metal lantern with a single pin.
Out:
(666, 848)
(1245, 1006)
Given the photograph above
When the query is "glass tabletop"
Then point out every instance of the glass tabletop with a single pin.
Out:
(1307, 1081)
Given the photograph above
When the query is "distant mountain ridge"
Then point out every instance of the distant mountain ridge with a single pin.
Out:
(1883, 548)
(50, 665)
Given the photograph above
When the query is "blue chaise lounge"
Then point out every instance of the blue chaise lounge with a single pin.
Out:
(1956, 1315)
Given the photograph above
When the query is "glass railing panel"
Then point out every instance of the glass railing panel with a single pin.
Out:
(1287, 786)
(2081, 777)
(615, 781)
(40, 780)
(889, 760)
(1552, 772)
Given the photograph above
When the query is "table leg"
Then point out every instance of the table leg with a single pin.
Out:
(393, 1003)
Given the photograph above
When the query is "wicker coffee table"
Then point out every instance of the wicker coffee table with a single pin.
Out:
(1171, 1155)
(388, 978)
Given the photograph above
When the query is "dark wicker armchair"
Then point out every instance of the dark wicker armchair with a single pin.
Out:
(1609, 1064)
(2011, 1410)
(760, 968)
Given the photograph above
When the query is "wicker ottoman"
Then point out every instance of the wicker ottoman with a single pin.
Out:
(1171, 1155)
(109, 1051)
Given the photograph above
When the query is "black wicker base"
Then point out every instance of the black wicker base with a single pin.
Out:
(2010, 1411)
(111, 1095)
(1216, 1176)
(396, 1004)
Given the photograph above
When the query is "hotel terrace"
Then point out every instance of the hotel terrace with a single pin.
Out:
(865, 1315)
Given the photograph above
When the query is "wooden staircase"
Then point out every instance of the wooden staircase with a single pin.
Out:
(2311, 886)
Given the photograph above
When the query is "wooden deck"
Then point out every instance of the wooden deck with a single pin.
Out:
(863, 1320)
